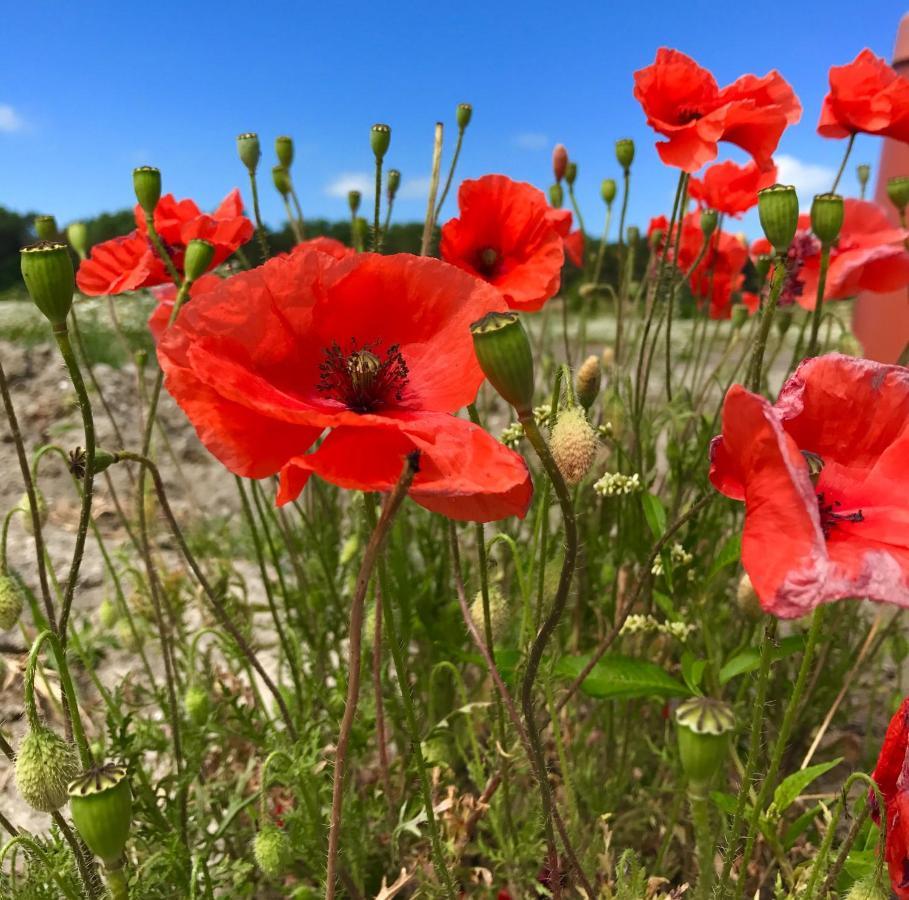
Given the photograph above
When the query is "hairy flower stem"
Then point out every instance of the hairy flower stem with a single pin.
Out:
(675, 283)
(161, 250)
(293, 194)
(260, 227)
(88, 425)
(380, 531)
(626, 262)
(451, 171)
(818, 311)
(601, 254)
(541, 448)
(376, 230)
(402, 670)
(779, 748)
(756, 367)
(292, 221)
(117, 882)
(699, 806)
(842, 168)
(430, 222)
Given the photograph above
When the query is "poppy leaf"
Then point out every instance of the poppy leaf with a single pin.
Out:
(789, 789)
(800, 825)
(724, 802)
(654, 513)
(616, 676)
(750, 659)
(729, 553)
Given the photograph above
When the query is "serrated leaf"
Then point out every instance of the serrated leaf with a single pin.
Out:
(800, 825)
(724, 802)
(789, 789)
(616, 676)
(654, 513)
(750, 659)
(730, 553)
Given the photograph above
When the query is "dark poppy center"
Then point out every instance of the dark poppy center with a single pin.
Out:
(830, 518)
(688, 114)
(487, 261)
(361, 379)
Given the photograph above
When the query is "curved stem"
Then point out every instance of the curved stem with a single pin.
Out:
(451, 171)
(842, 168)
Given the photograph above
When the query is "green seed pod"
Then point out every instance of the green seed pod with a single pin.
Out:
(197, 704)
(556, 195)
(574, 444)
(608, 191)
(25, 506)
(284, 149)
(45, 765)
(77, 235)
(778, 209)
(147, 185)
(739, 316)
(103, 460)
(392, 183)
(587, 381)
(463, 114)
(353, 201)
(379, 140)
(503, 351)
(624, 153)
(703, 733)
(101, 805)
(12, 600)
(249, 150)
(197, 259)
(709, 220)
(499, 614)
(272, 851)
(281, 180)
(47, 270)
(559, 162)
(571, 173)
(46, 228)
(898, 192)
(863, 173)
(108, 614)
(827, 217)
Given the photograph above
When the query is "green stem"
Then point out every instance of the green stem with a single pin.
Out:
(817, 313)
(755, 376)
(430, 221)
(842, 168)
(293, 194)
(291, 220)
(117, 882)
(451, 171)
(699, 804)
(260, 227)
(376, 231)
(626, 260)
(675, 284)
(161, 250)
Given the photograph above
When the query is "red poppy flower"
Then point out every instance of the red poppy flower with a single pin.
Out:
(730, 188)
(166, 295)
(684, 103)
(572, 241)
(892, 778)
(505, 235)
(843, 532)
(328, 245)
(869, 255)
(719, 274)
(866, 96)
(377, 349)
(130, 262)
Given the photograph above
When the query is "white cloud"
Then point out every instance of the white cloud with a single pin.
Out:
(415, 188)
(531, 140)
(10, 120)
(346, 182)
(808, 178)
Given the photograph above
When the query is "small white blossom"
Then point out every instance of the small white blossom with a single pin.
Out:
(542, 414)
(615, 484)
(639, 624)
(512, 435)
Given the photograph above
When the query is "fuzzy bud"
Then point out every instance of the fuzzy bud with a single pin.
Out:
(45, 765)
(587, 381)
(108, 614)
(559, 162)
(608, 191)
(353, 201)
(379, 140)
(607, 358)
(827, 217)
(499, 614)
(747, 599)
(703, 732)
(101, 804)
(26, 508)
(147, 185)
(624, 153)
(463, 114)
(281, 180)
(197, 259)
(46, 228)
(556, 195)
(778, 209)
(392, 183)
(77, 235)
(503, 351)
(272, 851)
(863, 173)
(249, 150)
(571, 173)
(898, 192)
(47, 270)
(12, 599)
(284, 150)
(868, 888)
(197, 704)
(709, 220)
(574, 444)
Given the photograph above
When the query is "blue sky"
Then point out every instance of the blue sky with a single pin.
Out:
(90, 90)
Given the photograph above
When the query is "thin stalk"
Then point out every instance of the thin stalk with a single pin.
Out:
(601, 251)
(451, 171)
(623, 268)
(817, 312)
(430, 221)
(376, 231)
(292, 221)
(756, 368)
(260, 227)
(293, 194)
(675, 283)
(842, 168)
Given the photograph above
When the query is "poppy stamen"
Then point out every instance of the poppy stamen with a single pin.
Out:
(487, 261)
(361, 379)
(689, 114)
(830, 519)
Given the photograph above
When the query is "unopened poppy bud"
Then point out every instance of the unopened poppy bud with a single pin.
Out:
(624, 152)
(869, 888)
(284, 150)
(101, 805)
(849, 345)
(503, 351)
(571, 173)
(608, 191)
(762, 266)
(863, 173)
(45, 765)
(898, 192)
(47, 269)
(46, 228)
(379, 140)
(272, 851)
(556, 195)
(709, 219)
(783, 320)
(574, 444)
(147, 185)
(703, 732)
(632, 235)
(197, 704)
(12, 600)
(463, 115)
(499, 614)
(281, 180)
(587, 382)
(778, 209)
(747, 599)
(827, 217)
(559, 162)
(197, 259)
(392, 183)
(108, 614)
(25, 505)
(77, 235)
(353, 201)
(739, 316)
(249, 150)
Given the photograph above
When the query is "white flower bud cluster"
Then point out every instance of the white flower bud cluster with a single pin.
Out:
(639, 624)
(615, 484)
(512, 435)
